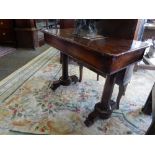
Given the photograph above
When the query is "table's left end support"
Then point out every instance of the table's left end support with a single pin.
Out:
(63, 82)
(65, 79)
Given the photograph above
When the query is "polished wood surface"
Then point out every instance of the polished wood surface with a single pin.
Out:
(19, 32)
(67, 23)
(115, 53)
(107, 56)
(128, 29)
(24, 23)
(119, 28)
(26, 33)
(6, 23)
(148, 109)
(65, 79)
(7, 34)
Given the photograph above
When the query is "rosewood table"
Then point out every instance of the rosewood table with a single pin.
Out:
(106, 56)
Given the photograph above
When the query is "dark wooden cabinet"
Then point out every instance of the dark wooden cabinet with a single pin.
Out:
(67, 23)
(19, 32)
(7, 34)
(23, 33)
(26, 33)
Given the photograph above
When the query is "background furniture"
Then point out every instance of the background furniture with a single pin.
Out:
(67, 23)
(149, 108)
(147, 33)
(44, 23)
(24, 33)
(7, 34)
(19, 33)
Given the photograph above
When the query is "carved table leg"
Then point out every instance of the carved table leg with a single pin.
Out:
(147, 109)
(97, 77)
(151, 129)
(122, 89)
(64, 80)
(104, 108)
(81, 72)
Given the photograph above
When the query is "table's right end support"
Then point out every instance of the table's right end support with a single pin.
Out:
(103, 109)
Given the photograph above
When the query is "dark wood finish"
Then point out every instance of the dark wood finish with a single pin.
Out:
(151, 129)
(65, 80)
(81, 72)
(106, 56)
(67, 23)
(7, 35)
(26, 33)
(20, 33)
(103, 27)
(98, 77)
(25, 23)
(126, 29)
(6, 23)
(104, 108)
(148, 109)
(116, 53)
(120, 28)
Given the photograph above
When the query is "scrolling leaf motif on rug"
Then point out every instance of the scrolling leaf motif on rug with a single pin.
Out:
(35, 109)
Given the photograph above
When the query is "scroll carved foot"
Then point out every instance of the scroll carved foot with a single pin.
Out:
(74, 78)
(65, 82)
(99, 113)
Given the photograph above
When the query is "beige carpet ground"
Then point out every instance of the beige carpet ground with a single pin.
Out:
(28, 106)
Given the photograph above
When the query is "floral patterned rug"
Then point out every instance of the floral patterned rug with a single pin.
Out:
(33, 108)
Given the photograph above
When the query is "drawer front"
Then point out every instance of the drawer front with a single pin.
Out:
(6, 35)
(6, 23)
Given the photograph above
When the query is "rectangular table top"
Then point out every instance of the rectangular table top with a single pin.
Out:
(106, 54)
(105, 45)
